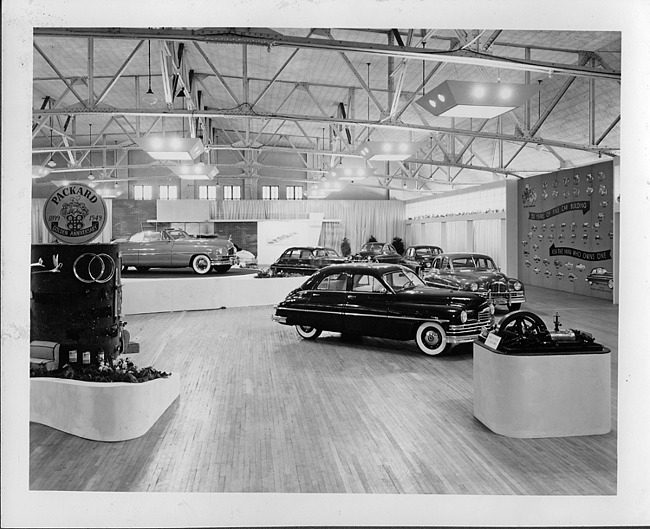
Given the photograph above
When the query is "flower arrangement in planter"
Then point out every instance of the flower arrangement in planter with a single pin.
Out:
(106, 401)
(120, 370)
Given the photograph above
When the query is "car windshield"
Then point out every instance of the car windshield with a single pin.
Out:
(463, 263)
(372, 247)
(424, 252)
(402, 280)
(326, 252)
(177, 234)
(485, 263)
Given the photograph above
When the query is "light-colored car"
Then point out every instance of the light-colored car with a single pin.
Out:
(245, 259)
(175, 248)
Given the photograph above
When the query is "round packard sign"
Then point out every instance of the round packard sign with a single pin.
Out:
(75, 214)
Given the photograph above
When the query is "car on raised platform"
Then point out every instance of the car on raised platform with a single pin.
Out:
(378, 252)
(474, 272)
(384, 300)
(304, 260)
(419, 257)
(175, 248)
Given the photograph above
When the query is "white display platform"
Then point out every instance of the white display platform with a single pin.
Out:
(145, 296)
(542, 395)
(101, 411)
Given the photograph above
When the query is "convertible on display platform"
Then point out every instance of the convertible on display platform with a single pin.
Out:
(387, 301)
(175, 248)
(473, 272)
(305, 260)
(419, 258)
(378, 252)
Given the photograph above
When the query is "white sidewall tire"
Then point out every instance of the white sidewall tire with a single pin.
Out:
(308, 333)
(201, 264)
(420, 338)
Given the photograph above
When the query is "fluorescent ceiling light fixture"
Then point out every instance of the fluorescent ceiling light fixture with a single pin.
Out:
(352, 173)
(469, 99)
(39, 171)
(172, 147)
(387, 150)
(195, 172)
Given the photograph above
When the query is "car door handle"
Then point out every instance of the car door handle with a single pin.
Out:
(352, 296)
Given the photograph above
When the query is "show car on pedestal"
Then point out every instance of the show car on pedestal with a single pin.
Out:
(175, 248)
(473, 272)
(387, 301)
(420, 257)
(378, 252)
(305, 260)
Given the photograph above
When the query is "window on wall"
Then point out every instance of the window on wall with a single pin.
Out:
(208, 192)
(270, 192)
(168, 192)
(294, 192)
(232, 192)
(142, 192)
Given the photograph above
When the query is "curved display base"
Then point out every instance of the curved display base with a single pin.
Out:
(101, 411)
(557, 395)
(146, 296)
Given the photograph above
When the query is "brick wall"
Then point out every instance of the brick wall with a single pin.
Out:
(129, 215)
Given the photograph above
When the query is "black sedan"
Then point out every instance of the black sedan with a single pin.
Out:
(305, 260)
(473, 272)
(419, 258)
(378, 252)
(387, 301)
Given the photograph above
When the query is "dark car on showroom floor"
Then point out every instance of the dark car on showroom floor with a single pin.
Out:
(305, 260)
(420, 257)
(387, 301)
(474, 272)
(378, 252)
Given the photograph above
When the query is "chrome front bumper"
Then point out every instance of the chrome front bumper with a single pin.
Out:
(279, 319)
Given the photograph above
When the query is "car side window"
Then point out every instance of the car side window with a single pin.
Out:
(153, 236)
(305, 254)
(367, 283)
(137, 237)
(334, 282)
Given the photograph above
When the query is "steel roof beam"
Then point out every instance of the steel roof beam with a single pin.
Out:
(263, 38)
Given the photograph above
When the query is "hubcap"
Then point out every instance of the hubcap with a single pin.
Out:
(431, 338)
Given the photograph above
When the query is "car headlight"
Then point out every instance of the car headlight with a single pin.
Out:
(492, 309)
(473, 287)
(517, 285)
(463, 316)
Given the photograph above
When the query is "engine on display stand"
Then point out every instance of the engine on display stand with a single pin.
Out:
(525, 332)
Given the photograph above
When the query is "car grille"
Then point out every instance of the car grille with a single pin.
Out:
(472, 328)
(498, 287)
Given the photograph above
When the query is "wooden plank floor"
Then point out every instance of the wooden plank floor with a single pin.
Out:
(262, 410)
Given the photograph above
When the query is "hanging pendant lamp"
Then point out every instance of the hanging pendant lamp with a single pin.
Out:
(149, 98)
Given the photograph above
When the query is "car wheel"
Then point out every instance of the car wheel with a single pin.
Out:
(514, 306)
(201, 264)
(307, 332)
(221, 269)
(431, 338)
(142, 268)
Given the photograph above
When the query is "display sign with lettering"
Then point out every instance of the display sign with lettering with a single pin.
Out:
(566, 228)
(75, 214)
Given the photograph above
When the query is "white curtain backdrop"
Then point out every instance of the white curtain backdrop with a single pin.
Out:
(487, 239)
(358, 219)
(456, 237)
